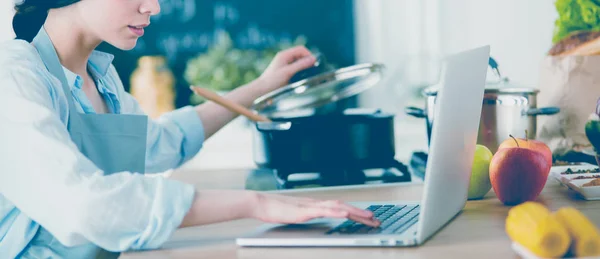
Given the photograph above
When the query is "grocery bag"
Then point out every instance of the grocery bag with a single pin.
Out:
(571, 83)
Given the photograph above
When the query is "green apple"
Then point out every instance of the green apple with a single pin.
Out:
(480, 183)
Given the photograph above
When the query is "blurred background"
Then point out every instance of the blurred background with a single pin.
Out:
(221, 44)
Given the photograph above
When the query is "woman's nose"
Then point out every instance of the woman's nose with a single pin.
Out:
(151, 7)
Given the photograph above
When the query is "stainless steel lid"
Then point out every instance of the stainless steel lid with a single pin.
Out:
(505, 86)
(492, 90)
(320, 89)
(502, 85)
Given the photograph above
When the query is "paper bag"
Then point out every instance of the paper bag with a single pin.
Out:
(571, 83)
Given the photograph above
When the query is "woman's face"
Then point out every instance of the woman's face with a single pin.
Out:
(118, 22)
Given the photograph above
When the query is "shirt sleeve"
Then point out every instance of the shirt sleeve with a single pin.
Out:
(173, 139)
(47, 178)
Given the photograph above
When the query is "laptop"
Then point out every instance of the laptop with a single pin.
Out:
(410, 223)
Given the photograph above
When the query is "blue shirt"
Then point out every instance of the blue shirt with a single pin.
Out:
(45, 180)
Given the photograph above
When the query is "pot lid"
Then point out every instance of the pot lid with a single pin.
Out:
(493, 89)
(321, 89)
(501, 85)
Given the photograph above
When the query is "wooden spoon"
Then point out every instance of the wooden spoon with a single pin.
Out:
(232, 106)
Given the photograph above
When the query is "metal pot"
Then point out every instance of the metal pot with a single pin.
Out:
(352, 140)
(507, 110)
(303, 137)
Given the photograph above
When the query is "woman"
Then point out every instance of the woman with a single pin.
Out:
(74, 143)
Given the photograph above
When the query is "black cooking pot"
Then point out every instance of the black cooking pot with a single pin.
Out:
(302, 136)
(354, 139)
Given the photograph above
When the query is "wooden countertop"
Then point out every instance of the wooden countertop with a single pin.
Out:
(478, 231)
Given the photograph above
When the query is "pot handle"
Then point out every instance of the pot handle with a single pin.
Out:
(543, 111)
(494, 65)
(268, 126)
(416, 112)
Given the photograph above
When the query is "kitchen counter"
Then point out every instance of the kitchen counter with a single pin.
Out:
(477, 232)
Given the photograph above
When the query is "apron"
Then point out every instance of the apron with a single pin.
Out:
(114, 142)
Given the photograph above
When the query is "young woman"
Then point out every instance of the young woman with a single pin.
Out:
(74, 145)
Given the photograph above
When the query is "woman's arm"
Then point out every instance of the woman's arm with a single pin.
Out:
(46, 180)
(285, 65)
(68, 195)
(177, 136)
(218, 206)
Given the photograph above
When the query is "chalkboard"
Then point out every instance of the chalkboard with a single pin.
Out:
(186, 28)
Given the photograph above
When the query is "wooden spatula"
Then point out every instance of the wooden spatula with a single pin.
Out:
(232, 106)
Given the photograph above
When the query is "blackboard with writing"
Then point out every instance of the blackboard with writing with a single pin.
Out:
(186, 28)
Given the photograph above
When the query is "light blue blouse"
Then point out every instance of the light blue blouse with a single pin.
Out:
(45, 180)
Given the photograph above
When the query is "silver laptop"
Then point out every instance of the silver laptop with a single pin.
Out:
(448, 171)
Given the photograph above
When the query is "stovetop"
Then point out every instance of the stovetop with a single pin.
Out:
(266, 179)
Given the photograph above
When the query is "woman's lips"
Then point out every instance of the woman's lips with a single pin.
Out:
(137, 30)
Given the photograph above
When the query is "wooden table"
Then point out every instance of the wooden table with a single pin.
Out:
(478, 232)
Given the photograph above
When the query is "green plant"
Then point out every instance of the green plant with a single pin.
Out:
(223, 67)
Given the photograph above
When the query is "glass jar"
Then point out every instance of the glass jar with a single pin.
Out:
(152, 85)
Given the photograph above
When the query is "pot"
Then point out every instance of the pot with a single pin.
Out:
(507, 110)
(353, 139)
(304, 137)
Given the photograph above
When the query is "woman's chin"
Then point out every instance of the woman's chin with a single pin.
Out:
(127, 44)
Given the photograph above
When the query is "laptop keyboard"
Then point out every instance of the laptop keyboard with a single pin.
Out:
(394, 219)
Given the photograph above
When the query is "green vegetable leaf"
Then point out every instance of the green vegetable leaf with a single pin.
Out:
(575, 15)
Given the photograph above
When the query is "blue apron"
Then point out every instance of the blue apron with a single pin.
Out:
(114, 142)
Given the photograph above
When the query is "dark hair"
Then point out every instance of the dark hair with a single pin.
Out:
(31, 14)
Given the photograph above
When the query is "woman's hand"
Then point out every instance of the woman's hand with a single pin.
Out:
(289, 210)
(213, 206)
(284, 66)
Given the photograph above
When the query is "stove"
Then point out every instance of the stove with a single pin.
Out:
(265, 179)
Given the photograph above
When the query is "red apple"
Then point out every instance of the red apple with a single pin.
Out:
(529, 144)
(518, 174)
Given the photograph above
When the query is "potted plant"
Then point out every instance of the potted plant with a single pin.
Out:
(224, 67)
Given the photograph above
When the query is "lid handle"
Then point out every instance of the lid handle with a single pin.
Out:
(321, 65)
